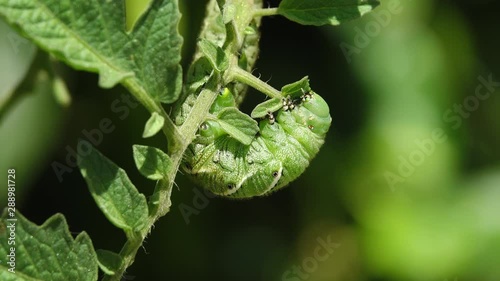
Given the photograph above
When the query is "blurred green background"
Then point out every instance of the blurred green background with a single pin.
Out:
(407, 185)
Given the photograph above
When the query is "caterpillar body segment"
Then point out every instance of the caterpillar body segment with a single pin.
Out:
(279, 153)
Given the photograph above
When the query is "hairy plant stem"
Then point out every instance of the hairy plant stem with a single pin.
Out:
(243, 76)
(265, 12)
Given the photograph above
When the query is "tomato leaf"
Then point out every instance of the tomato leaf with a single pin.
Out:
(323, 12)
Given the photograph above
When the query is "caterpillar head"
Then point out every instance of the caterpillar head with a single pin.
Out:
(208, 132)
(224, 99)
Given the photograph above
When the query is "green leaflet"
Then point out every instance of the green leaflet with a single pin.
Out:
(91, 36)
(153, 163)
(153, 125)
(238, 125)
(46, 252)
(214, 54)
(296, 89)
(108, 261)
(269, 106)
(322, 12)
(112, 190)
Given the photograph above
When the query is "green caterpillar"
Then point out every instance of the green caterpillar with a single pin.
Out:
(287, 140)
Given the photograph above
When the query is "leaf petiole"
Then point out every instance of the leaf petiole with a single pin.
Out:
(265, 12)
(243, 76)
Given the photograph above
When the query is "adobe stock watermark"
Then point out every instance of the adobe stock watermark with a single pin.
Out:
(200, 201)
(321, 253)
(121, 107)
(381, 18)
(453, 116)
(11, 221)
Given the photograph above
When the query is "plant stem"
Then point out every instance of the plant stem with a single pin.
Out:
(243, 76)
(127, 253)
(198, 113)
(265, 12)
